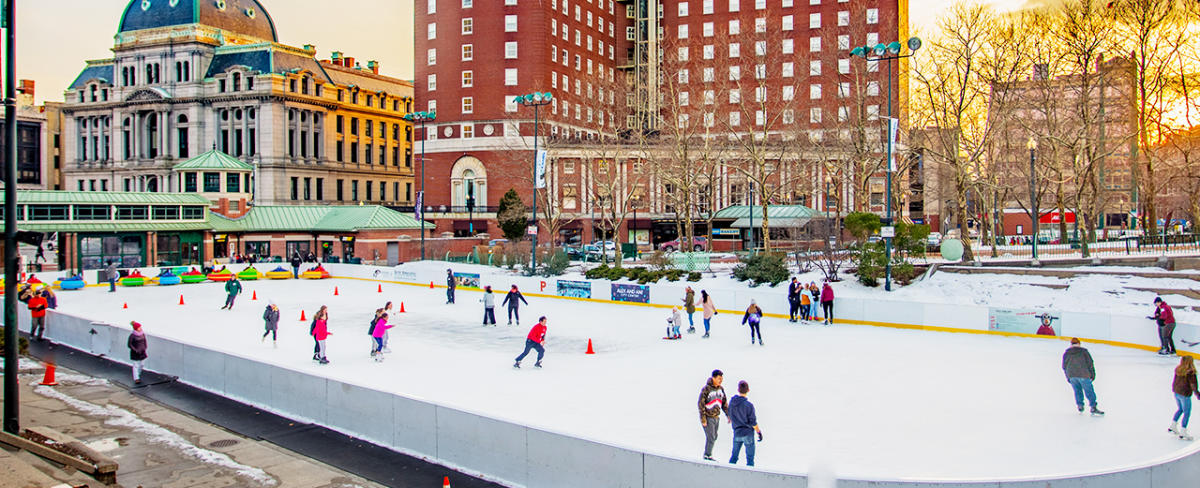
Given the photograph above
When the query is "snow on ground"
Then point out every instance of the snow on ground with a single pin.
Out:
(857, 401)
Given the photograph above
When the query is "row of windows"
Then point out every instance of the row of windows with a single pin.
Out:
(370, 128)
(431, 5)
(787, 116)
(234, 182)
(368, 153)
(762, 48)
(787, 93)
(708, 7)
(787, 70)
(153, 73)
(108, 212)
(308, 188)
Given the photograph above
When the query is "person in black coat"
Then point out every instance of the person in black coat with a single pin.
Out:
(451, 283)
(514, 295)
(793, 296)
(296, 264)
(137, 351)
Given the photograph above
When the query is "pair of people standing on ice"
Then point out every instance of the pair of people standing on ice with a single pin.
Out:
(739, 411)
(379, 328)
(512, 300)
(1166, 326)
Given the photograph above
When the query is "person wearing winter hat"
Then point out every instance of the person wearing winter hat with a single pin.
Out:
(271, 323)
(1166, 325)
(514, 295)
(489, 306)
(137, 350)
(1081, 372)
(753, 316)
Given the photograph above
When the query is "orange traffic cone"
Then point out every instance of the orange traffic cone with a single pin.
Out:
(125, 305)
(430, 285)
(302, 319)
(335, 291)
(181, 299)
(445, 482)
(380, 289)
(254, 295)
(48, 380)
(401, 307)
(590, 350)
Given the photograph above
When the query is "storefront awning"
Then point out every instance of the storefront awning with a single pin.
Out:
(775, 223)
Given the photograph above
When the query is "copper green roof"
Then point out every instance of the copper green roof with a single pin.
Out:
(312, 218)
(37, 197)
(214, 160)
(773, 211)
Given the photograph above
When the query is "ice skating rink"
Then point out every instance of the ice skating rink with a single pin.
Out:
(851, 401)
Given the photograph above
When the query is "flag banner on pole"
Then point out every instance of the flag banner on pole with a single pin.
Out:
(893, 128)
(540, 170)
(418, 209)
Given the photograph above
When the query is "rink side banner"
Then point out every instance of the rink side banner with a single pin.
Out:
(630, 293)
(575, 289)
(1040, 322)
(467, 280)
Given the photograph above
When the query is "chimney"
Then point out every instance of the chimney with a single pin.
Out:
(374, 66)
(349, 62)
(310, 48)
(336, 58)
(26, 87)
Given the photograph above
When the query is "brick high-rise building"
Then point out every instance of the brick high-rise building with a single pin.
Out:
(617, 70)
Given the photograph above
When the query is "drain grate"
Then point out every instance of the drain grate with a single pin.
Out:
(222, 443)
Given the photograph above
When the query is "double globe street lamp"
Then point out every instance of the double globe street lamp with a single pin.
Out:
(888, 52)
(536, 100)
(421, 118)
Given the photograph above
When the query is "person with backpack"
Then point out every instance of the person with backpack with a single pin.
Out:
(1184, 386)
(320, 332)
(1166, 326)
(827, 303)
(513, 307)
(271, 323)
(534, 341)
(710, 310)
(754, 318)
(1081, 372)
(233, 287)
(137, 350)
(111, 274)
(489, 306)
(712, 403)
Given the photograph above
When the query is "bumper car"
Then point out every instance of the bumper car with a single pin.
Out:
(71, 283)
(317, 273)
(248, 274)
(279, 273)
(167, 278)
(222, 275)
(133, 279)
(193, 277)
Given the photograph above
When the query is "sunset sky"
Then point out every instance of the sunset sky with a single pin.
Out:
(57, 36)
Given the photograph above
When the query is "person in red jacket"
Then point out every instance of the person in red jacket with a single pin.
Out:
(827, 303)
(537, 335)
(37, 310)
(1166, 325)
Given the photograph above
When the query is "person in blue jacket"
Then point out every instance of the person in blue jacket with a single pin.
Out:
(745, 424)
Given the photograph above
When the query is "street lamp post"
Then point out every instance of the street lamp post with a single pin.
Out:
(1034, 212)
(421, 118)
(889, 53)
(751, 202)
(535, 100)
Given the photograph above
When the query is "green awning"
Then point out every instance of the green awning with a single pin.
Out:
(50, 227)
(774, 222)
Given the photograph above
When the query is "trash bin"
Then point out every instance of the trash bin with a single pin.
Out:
(628, 250)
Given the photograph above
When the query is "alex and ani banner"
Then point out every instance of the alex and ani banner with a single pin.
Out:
(630, 293)
(575, 289)
(1038, 322)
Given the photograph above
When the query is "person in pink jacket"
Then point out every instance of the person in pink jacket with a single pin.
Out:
(320, 332)
(381, 327)
(706, 304)
(827, 303)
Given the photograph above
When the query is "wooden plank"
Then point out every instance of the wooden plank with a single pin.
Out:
(46, 452)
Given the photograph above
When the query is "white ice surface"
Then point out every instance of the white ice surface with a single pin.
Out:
(848, 401)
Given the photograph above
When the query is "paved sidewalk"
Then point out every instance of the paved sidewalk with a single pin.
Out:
(156, 446)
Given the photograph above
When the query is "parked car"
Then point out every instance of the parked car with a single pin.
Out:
(607, 244)
(698, 244)
(934, 238)
(596, 253)
(574, 252)
(497, 242)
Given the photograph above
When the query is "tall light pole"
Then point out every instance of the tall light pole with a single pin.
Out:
(421, 118)
(12, 423)
(889, 53)
(535, 100)
(1034, 212)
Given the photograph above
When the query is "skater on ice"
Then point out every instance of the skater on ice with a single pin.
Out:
(712, 403)
(320, 332)
(745, 424)
(754, 318)
(450, 285)
(534, 341)
(381, 327)
(387, 334)
(1081, 372)
(827, 303)
(137, 350)
(271, 323)
(689, 306)
(795, 289)
(1184, 386)
(111, 274)
(805, 304)
(513, 307)
(233, 287)
(1166, 325)
(706, 304)
(489, 306)
(673, 323)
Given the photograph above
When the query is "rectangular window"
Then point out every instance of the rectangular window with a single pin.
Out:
(370, 190)
(814, 44)
(468, 52)
(872, 16)
(431, 56)
(468, 105)
(338, 189)
(843, 18)
(295, 188)
(510, 76)
(308, 188)
(708, 7)
(735, 5)
(510, 23)
(468, 131)
(683, 9)
(320, 188)
(510, 50)
(735, 27)
(189, 182)
(431, 31)
(133, 212)
(165, 212)
(233, 183)
(787, 23)
(93, 212)
(814, 21)
(212, 182)
(354, 190)
(814, 92)
(468, 26)
(430, 82)
(468, 79)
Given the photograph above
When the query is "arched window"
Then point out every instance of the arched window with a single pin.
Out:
(181, 148)
(468, 178)
(237, 82)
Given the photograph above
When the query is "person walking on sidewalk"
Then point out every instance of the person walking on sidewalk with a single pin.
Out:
(1166, 325)
(1184, 386)
(271, 323)
(689, 306)
(827, 303)
(795, 289)
(489, 306)
(381, 327)
(320, 332)
(450, 285)
(137, 350)
(513, 307)
(745, 424)
(706, 304)
(754, 318)
(534, 341)
(233, 287)
(37, 315)
(111, 274)
(1081, 372)
(712, 403)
